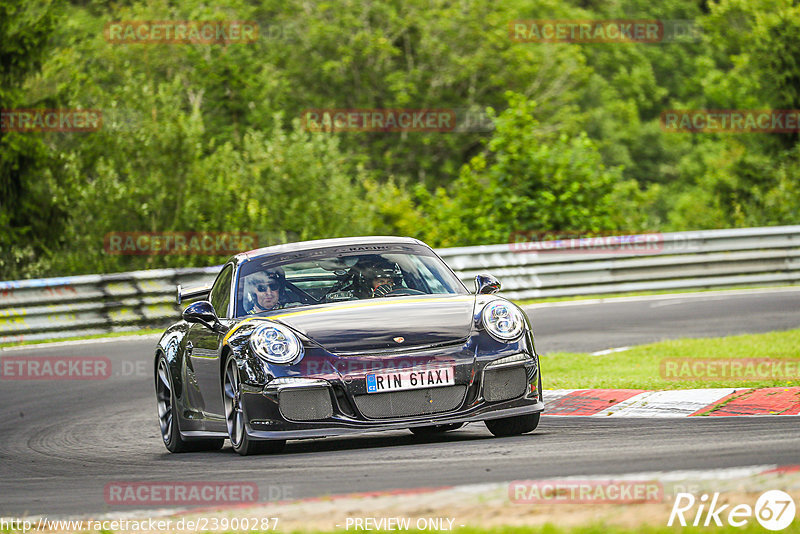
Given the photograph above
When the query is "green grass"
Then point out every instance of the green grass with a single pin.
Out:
(639, 367)
(142, 332)
(526, 302)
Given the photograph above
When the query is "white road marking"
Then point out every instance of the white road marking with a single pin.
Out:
(673, 403)
(609, 351)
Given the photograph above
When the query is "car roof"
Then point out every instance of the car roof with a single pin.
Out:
(324, 243)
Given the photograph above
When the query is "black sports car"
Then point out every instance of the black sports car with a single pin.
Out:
(336, 336)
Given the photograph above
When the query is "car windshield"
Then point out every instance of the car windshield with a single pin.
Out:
(339, 274)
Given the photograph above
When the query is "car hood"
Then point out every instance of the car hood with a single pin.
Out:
(368, 325)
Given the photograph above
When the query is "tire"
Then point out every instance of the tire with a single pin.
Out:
(435, 429)
(167, 417)
(235, 416)
(513, 426)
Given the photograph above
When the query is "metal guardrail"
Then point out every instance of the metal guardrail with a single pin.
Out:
(82, 305)
(93, 304)
(680, 260)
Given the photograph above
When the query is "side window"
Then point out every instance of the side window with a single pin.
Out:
(221, 292)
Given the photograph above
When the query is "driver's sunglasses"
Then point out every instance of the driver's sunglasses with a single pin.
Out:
(273, 286)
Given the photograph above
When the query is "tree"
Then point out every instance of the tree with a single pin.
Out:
(529, 181)
(31, 213)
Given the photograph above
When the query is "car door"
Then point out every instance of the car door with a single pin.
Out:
(203, 349)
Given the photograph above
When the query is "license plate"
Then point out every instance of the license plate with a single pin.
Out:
(411, 379)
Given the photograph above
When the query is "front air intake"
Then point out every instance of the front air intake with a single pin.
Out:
(411, 402)
(504, 383)
(305, 403)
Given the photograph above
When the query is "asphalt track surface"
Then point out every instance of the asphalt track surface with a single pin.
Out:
(586, 326)
(63, 441)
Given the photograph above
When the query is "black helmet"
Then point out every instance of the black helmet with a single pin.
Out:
(276, 273)
(378, 267)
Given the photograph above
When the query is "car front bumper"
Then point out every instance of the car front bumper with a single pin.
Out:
(266, 408)
(340, 429)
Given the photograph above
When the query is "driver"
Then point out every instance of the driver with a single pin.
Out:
(264, 290)
(381, 277)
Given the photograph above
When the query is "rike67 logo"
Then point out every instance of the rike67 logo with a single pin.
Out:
(774, 510)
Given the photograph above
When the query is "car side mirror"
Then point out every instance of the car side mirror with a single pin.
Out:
(202, 312)
(486, 284)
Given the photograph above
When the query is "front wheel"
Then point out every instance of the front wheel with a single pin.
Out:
(234, 415)
(513, 426)
(167, 415)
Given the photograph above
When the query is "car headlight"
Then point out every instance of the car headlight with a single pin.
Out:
(276, 343)
(503, 320)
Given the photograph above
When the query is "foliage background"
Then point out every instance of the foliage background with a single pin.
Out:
(207, 137)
